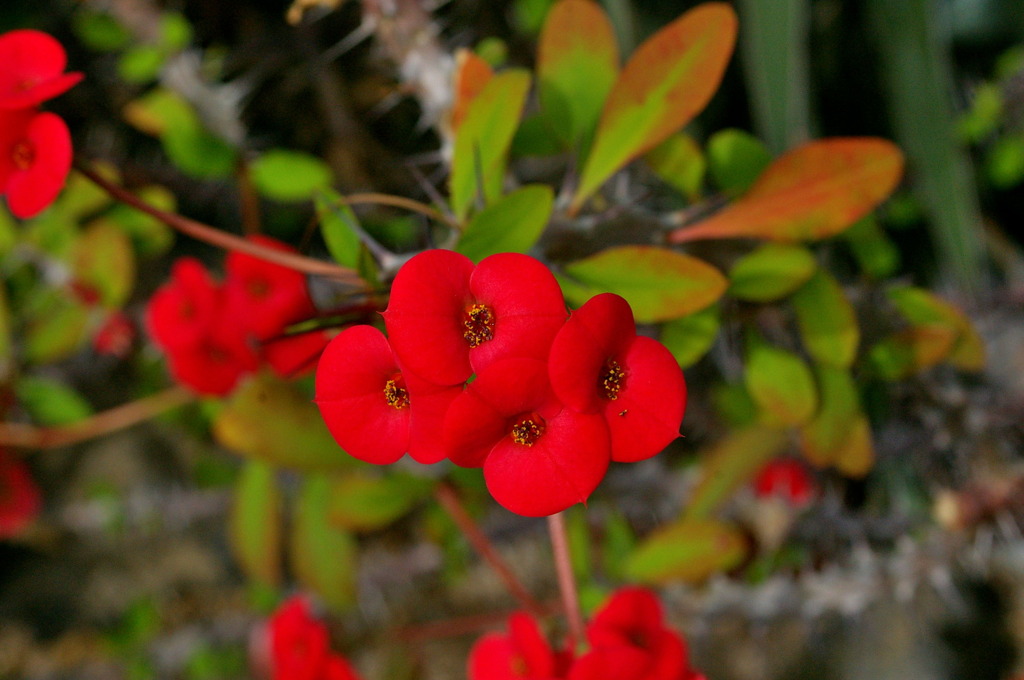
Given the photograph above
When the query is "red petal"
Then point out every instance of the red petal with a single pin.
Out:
(523, 653)
(429, 404)
(292, 356)
(13, 129)
(350, 381)
(31, 190)
(20, 500)
(527, 304)
(266, 296)
(610, 663)
(649, 410)
(424, 316)
(31, 69)
(598, 331)
(560, 469)
(181, 311)
(531, 645)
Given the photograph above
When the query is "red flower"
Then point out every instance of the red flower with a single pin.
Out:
(216, 363)
(299, 645)
(787, 479)
(448, 319)
(522, 654)
(598, 364)
(32, 69)
(265, 297)
(180, 313)
(115, 336)
(35, 158)
(20, 500)
(290, 356)
(374, 410)
(538, 457)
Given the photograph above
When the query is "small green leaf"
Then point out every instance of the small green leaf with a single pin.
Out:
(365, 503)
(141, 64)
(175, 32)
(255, 524)
(856, 456)
(50, 402)
(659, 284)
(827, 321)
(104, 261)
(983, 116)
(781, 384)
(736, 159)
(55, 328)
(771, 272)
(1004, 162)
(680, 162)
(99, 31)
(578, 534)
(911, 350)
(875, 252)
(289, 176)
(688, 550)
(336, 225)
(197, 152)
(619, 541)
(323, 556)
(734, 404)
(149, 235)
(823, 438)
(689, 338)
(922, 307)
(512, 224)
(729, 464)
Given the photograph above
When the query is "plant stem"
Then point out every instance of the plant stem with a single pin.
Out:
(449, 500)
(401, 202)
(566, 579)
(222, 239)
(31, 437)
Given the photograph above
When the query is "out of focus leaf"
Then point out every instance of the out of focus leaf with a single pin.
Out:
(689, 338)
(781, 384)
(730, 463)
(922, 307)
(288, 176)
(50, 402)
(876, 254)
(577, 63)
(364, 503)
(471, 74)
(255, 523)
(6, 356)
(483, 139)
(81, 196)
(1004, 161)
(99, 30)
(105, 262)
(824, 437)
(983, 114)
(856, 456)
(771, 272)
(680, 162)
(734, 404)
(175, 32)
(666, 82)
(323, 556)
(535, 138)
(511, 224)
(271, 420)
(735, 160)
(827, 321)
(911, 350)
(336, 224)
(198, 153)
(659, 284)
(578, 535)
(157, 111)
(55, 327)
(815, 191)
(619, 541)
(141, 64)
(8, 232)
(688, 550)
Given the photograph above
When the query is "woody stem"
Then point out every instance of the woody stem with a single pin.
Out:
(566, 578)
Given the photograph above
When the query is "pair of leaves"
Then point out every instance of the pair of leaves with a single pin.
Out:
(839, 434)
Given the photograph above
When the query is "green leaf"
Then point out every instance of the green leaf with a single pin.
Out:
(688, 550)
(483, 139)
(781, 385)
(364, 503)
(875, 252)
(736, 159)
(1004, 161)
(983, 115)
(689, 338)
(271, 420)
(827, 321)
(50, 402)
(667, 81)
(659, 284)
(141, 64)
(8, 232)
(99, 31)
(82, 197)
(734, 404)
(823, 438)
(771, 272)
(577, 64)
(55, 328)
(6, 355)
(680, 162)
(149, 235)
(197, 152)
(730, 463)
(104, 261)
(856, 456)
(619, 541)
(255, 524)
(289, 176)
(578, 535)
(922, 307)
(911, 350)
(512, 224)
(337, 223)
(175, 32)
(323, 556)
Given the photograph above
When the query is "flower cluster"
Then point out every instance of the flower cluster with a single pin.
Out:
(20, 499)
(35, 147)
(628, 640)
(300, 646)
(786, 479)
(483, 365)
(214, 333)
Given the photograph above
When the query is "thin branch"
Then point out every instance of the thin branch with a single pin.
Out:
(449, 500)
(221, 239)
(401, 202)
(25, 436)
(566, 579)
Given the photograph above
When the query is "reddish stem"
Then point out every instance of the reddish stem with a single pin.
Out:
(566, 579)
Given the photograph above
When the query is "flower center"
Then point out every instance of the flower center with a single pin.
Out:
(22, 155)
(258, 288)
(528, 430)
(478, 325)
(395, 393)
(610, 381)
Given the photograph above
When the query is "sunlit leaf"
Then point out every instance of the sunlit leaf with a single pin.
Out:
(781, 384)
(141, 64)
(323, 556)
(875, 252)
(483, 140)
(771, 272)
(659, 284)
(511, 224)
(51, 402)
(911, 350)
(471, 74)
(99, 30)
(197, 152)
(577, 63)
(824, 436)
(175, 31)
(364, 503)
(735, 160)
(289, 176)
(271, 420)
(667, 81)
(730, 463)
(815, 191)
(688, 550)
(55, 328)
(680, 162)
(856, 456)
(255, 523)
(922, 307)
(689, 338)
(104, 262)
(336, 224)
(827, 321)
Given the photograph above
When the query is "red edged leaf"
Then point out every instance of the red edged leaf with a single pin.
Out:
(812, 192)
(921, 307)
(472, 72)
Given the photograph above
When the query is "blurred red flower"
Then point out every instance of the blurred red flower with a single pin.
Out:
(20, 500)
(521, 654)
(35, 158)
(300, 646)
(785, 478)
(32, 69)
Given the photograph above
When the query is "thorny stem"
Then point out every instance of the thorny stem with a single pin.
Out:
(449, 500)
(31, 437)
(566, 578)
(221, 239)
